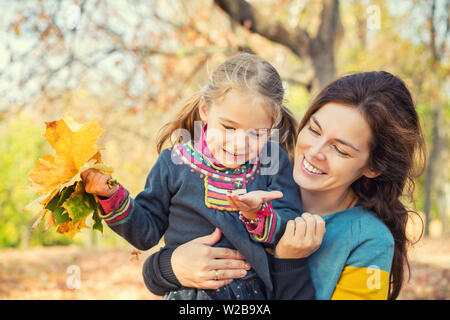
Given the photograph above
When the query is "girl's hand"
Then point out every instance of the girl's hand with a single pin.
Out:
(96, 182)
(197, 264)
(251, 202)
(301, 238)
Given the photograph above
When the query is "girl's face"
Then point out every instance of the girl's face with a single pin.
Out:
(238, 127)
(332, 149)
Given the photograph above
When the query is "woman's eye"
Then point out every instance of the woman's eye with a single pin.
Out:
(313, 131)
(339, 151)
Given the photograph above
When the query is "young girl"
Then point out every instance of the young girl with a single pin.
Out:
(204, 183)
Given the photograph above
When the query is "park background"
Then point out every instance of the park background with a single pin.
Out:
(129, 63)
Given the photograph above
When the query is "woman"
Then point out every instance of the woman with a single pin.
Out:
(358, 150)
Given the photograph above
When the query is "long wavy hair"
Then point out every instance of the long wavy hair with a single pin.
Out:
(245, 72)
(397, 151)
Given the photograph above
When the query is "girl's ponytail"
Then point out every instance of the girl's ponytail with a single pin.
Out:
(287, 126)
(185, 119)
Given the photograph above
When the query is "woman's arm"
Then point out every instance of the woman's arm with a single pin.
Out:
(289, 268)
(366, 274)
(157, 272)
(168, 269)
(292, 279)
(165, 271)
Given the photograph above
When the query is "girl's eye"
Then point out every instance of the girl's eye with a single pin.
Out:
(228, 128)
(257, 134)
(312, 130)
(340, 152)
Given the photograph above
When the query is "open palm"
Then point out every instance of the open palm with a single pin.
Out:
(251, 202)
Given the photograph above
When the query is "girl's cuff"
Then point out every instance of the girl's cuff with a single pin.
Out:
(109, 204)
(258, 229)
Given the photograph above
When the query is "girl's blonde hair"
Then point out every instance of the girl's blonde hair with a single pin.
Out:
(245, 72)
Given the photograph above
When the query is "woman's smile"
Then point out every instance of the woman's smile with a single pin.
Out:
(332, 149)
(311, 169)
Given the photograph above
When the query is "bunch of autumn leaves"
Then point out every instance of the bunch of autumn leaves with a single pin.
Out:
(63, 202)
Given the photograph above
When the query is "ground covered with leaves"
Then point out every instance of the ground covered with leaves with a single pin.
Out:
(48, 273)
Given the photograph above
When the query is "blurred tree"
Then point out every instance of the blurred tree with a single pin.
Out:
(130, 62)
(402, 45)
(148, 48)
(437, 47)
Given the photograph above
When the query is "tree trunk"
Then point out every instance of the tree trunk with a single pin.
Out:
(429, 179)
(324, 67)
(320, 50)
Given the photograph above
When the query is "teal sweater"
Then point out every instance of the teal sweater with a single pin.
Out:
(354, 260)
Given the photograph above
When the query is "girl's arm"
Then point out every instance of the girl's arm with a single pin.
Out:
(143, 220)
(277, 166)
(255, 210)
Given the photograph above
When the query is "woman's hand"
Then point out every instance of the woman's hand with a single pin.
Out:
(301, 238)
(251, 202)
(197, 264)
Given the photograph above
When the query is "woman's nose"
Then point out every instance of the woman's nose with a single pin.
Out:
(315, 151)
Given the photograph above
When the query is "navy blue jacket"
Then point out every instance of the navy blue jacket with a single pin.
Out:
(180, 202)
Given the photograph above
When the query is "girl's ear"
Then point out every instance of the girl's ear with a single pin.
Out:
(203, 110)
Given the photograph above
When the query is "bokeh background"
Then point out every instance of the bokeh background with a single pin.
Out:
(129, 63)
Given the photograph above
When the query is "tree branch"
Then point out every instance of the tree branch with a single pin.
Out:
(240, 11)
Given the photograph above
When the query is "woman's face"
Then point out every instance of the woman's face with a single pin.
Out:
(332, 149)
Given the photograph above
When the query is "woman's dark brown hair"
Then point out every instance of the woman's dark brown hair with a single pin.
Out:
(397, 152)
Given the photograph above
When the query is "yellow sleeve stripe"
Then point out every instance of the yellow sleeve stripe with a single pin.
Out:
(266, 230)
(357, 283)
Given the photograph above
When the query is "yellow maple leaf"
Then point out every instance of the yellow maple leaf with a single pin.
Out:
(75, 151)
(72, 150)
(70, 229)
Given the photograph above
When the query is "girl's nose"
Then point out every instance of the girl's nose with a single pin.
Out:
(240, 141)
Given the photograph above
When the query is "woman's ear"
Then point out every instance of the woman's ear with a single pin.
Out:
(368, 173)
(203, 110)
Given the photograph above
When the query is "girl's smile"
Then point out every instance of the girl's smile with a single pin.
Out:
(236, 156)
(237, 127)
